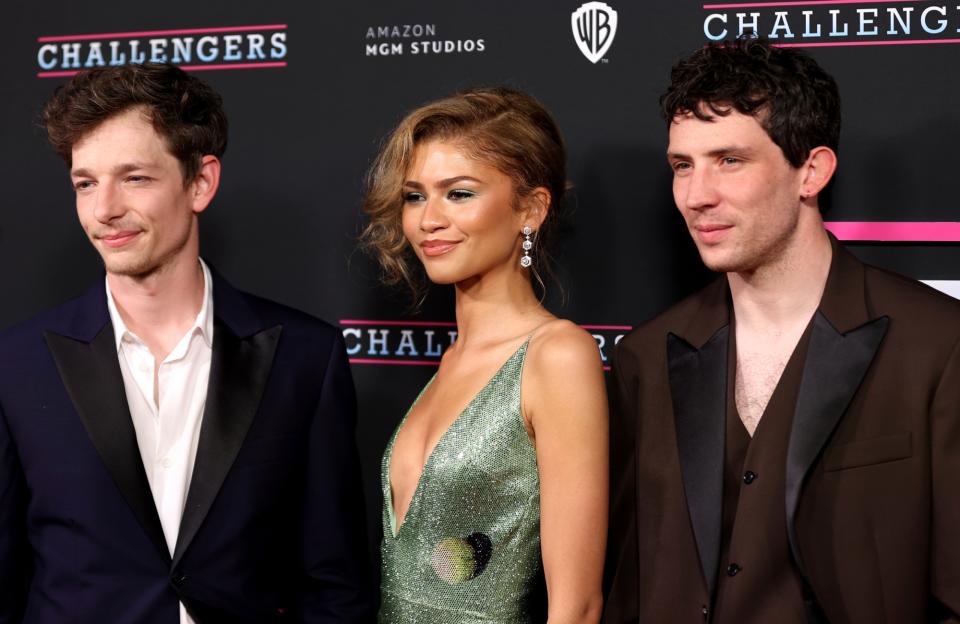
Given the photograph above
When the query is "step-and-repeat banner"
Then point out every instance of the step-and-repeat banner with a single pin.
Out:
(311, 89)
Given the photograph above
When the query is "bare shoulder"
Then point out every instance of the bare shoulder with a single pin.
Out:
(560, 344)
(562, 353)
(563, 380)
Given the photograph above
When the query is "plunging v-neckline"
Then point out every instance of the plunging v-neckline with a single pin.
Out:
(396, 526)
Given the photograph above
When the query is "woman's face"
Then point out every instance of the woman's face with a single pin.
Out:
(459, 214)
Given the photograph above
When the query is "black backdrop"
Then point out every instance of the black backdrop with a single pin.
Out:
(307, 118)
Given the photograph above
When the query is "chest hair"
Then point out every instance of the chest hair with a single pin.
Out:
(761, 360)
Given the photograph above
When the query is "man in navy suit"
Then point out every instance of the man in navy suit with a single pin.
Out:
(171, 449)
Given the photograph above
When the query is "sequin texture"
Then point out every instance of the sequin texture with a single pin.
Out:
(468, 550)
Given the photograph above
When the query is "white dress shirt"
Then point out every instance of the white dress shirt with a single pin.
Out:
(168, 427)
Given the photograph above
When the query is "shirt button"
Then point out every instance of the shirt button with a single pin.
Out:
(733, 569)
(749, 477)
(166, 462)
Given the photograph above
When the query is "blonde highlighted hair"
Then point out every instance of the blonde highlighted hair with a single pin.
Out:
(501, 127)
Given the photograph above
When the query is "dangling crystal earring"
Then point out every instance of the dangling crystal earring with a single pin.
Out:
(527, 245)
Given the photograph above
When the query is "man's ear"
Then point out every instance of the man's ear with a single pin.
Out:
(205, 184)
(818, 170)
(536, 206)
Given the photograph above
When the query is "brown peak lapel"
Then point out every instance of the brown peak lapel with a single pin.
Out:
(711, 316)
(844, 301)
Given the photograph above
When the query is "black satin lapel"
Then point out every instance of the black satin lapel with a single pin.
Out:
(238, 376)
(835, 366)
(91, 375)
(698, 385)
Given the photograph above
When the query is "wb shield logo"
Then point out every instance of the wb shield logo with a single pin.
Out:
(594, 26)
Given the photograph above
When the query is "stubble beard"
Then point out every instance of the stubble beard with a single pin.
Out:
(752, 256)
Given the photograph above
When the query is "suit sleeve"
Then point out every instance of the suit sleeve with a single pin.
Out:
(338, 580)
(945, 453)
(14, 565)
(620, 574)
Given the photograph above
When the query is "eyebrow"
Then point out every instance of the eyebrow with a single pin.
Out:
(720, 151)
(118, 170)
(445, 182)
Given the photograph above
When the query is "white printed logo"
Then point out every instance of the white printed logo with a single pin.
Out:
(594, 27)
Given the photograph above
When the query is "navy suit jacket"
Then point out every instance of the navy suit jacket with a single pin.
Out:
(273, 525)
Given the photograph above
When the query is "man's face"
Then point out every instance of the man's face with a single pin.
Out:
(735, 189)
(131, 198)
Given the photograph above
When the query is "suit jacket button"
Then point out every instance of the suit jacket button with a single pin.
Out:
(733, 569)
(705, 611)
(749, 477)
(178, 579)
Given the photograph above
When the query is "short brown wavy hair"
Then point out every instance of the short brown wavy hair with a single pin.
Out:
(184, 110)
(499, 126)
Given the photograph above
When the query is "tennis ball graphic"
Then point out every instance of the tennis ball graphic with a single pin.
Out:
(460, 559)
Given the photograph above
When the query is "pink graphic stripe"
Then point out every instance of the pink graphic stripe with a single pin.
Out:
(395, 362)
(391, 323)
(59, 74)
(161, 33)
(448, 324)
(406, 362)
(926, 232)
(834, 44)
(233, 66)
(748, 5)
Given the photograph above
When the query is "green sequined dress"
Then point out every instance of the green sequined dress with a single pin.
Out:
(468, 551)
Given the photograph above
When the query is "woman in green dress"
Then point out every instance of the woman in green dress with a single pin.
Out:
(499, 469)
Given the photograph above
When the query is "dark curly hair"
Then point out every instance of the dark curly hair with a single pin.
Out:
(184, 110)
(499, 126)
(796, 102)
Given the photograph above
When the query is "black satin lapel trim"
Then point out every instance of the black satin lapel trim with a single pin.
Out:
(238, 376)
(698, 386)
(91, 375)
(836, 364)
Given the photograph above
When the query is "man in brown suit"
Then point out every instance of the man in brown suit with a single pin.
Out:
(786, 442)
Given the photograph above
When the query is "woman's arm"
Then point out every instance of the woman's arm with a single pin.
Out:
(564, 400)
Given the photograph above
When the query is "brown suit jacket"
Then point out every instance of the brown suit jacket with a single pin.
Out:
(872, 492)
